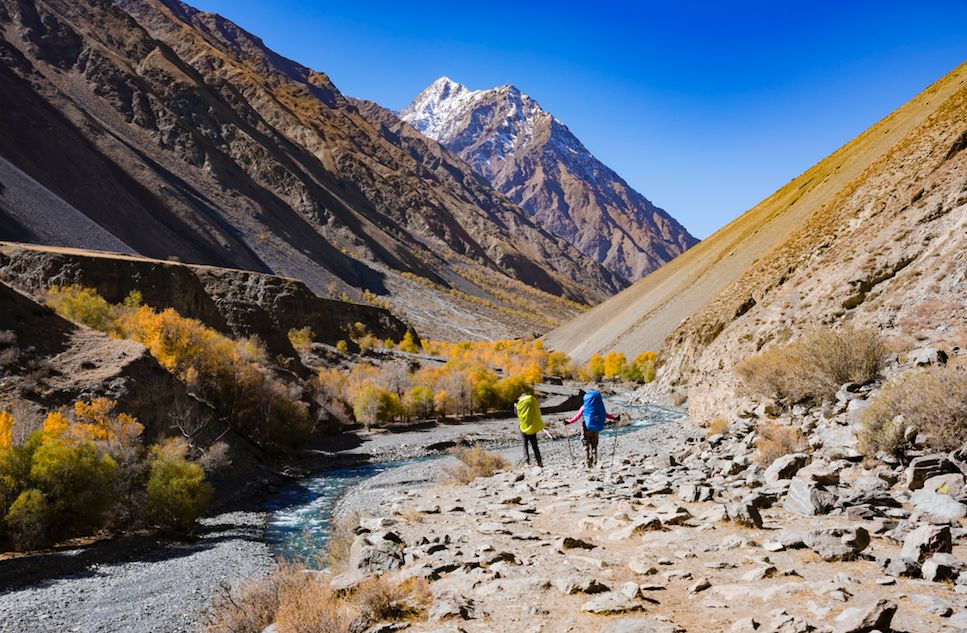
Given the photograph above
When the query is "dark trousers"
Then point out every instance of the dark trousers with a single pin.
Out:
(532, 440)
(590, 441)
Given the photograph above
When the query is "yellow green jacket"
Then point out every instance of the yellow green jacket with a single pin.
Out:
(529, 414)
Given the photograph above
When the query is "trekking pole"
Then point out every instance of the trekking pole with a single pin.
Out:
(569, 453)
(614, 446)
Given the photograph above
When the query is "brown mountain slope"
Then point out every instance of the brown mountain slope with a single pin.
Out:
(736, 274)
(180, 134)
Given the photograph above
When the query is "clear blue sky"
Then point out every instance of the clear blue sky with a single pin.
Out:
(705, 108)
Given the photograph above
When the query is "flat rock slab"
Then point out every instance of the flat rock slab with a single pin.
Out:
(644, 625)
(611, 603)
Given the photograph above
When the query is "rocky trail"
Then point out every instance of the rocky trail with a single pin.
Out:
(683, 533)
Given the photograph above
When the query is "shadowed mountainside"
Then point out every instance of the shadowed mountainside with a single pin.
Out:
(181, 135)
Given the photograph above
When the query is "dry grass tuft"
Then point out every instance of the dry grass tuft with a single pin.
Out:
(931, 400)
(475, 462)
(774, 441)
(301, 602)
(379, 599)
(718, 426)
(341, 541)
(816, 365)
(254, 605)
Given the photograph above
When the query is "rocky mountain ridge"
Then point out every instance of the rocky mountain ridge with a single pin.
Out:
(531, 156)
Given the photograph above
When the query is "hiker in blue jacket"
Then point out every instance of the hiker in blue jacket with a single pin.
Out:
(595, 416)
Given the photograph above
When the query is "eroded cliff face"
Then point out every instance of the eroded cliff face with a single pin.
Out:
(47, 362)
(235, 302)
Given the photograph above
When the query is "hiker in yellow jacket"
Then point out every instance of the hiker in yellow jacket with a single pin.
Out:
(529, 413)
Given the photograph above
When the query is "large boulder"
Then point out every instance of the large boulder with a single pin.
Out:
(376, 553)
(837, 543)
(807, 498)
(875, 617)
(927, 539)
(926, 466)
(785, 467)
(938, 508)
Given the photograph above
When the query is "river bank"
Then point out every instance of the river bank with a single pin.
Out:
(143, 583)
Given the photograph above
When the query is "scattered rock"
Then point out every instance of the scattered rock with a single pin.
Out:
(611, 603)
(838, 543)
(349, 580)
(568, 543)
(942, 567)
(785, 467)
(876, 617)
(928, 356)
(807, 498)
(580, 584)
(936, 507)
(451, 606)
(744, 513)
(926, 466)
(644, 625)
(745, 625)
(926, 539)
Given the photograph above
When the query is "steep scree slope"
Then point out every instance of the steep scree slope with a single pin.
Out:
(873, 233)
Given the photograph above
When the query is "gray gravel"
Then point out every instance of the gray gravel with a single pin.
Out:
(149, 586)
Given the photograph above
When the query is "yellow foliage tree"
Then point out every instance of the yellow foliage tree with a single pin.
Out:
(614, 364)
(6, 429)
(408, 344)
(595, 369)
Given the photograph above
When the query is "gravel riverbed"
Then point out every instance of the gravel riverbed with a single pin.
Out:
(144, 584)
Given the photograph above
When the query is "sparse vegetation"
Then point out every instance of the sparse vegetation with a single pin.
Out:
(932, 400)
(341, 538)
(614, 366)
(718, 426)
(301, 338)
(774, 440)
(814, 366)
(475, 462)
(467, 383)
(298, 602)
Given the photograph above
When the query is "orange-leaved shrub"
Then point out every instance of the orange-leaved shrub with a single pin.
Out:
(467, 383)
(82, 471)
(231, 375)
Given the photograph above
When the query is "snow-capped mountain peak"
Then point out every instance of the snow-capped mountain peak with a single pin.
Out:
(533, 158)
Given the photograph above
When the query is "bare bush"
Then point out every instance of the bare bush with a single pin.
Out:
(816, 365)
(253, 606)
(341, 539)
(931, 400)
(775, 440)
(475, 462)
(718, 426)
